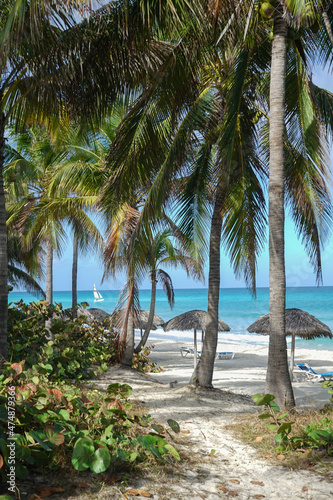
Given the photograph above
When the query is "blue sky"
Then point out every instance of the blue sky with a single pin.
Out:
(298, 270)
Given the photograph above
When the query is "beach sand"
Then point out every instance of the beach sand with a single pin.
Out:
(234, 469)
(245, 374)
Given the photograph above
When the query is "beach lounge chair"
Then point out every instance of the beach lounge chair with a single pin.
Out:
(225, 355)
(312, 375)
(184, 351)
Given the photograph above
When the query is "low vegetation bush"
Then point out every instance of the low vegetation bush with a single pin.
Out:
(314, 436)
(141, 361)
(42, 421)
(48, 422)
(77, 352)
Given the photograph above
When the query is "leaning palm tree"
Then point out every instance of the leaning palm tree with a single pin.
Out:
(140, 256)
(157, 250)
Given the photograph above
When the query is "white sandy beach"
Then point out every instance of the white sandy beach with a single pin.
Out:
(245, 374)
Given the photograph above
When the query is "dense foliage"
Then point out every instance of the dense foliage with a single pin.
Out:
(45, 420)
(50, 419)
(77, 351)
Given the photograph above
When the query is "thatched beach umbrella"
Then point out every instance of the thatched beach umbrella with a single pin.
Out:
(193, 320)
(298, 323)
(141, 320)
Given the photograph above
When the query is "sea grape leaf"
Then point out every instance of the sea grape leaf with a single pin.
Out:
(21, 471)
(158, 428)
(122, 454)
(64, 414)
(101, 460)
(17, 367)
(39, 440)
(174, 425)
(83, 453)
(53, 435)
(263, 399)
(121, 390)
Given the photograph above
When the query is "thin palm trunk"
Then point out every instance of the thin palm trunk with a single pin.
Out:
(203, 374)
(3, 251)
(74, 276)
(128, 351)
(49, 283)
(150, 316)
(277, 379)
(127, 356)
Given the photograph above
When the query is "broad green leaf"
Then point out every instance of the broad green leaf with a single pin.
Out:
(121, 390)
(133, 456)
(263, 399)
(101, 460)
(286, 427)
(39, 440)
(22, 452)
(280, 417)
(272, 427)
(172, 451)
(122, 454)
(158, 428)
(274, 406)
(64, 414)
(48, 350)
(83, 453)
(21, 471)
(265, 415)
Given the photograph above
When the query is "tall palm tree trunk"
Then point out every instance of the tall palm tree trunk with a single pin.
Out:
(3, 251)
(74, 276)
(203, 374)
(128, 341)
(49, 283)
(277, 379)
(150, 316)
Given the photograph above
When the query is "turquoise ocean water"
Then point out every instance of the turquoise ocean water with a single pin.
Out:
(237, 308)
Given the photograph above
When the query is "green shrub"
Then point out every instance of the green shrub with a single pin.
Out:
(76, 352)
(42, 420)
(141, 361)
(314, 436)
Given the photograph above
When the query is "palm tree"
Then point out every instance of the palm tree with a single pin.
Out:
(157, 249)
(46, 212)
(277, 380)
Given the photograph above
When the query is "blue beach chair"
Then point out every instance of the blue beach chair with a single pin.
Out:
(312, 375)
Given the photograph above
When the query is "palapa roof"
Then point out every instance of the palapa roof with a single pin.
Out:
(141, 319)
(298, 322)
(193, 319)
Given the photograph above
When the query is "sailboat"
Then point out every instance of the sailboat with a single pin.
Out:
(97, 295)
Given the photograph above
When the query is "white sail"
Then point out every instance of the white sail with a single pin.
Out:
(97, 296)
